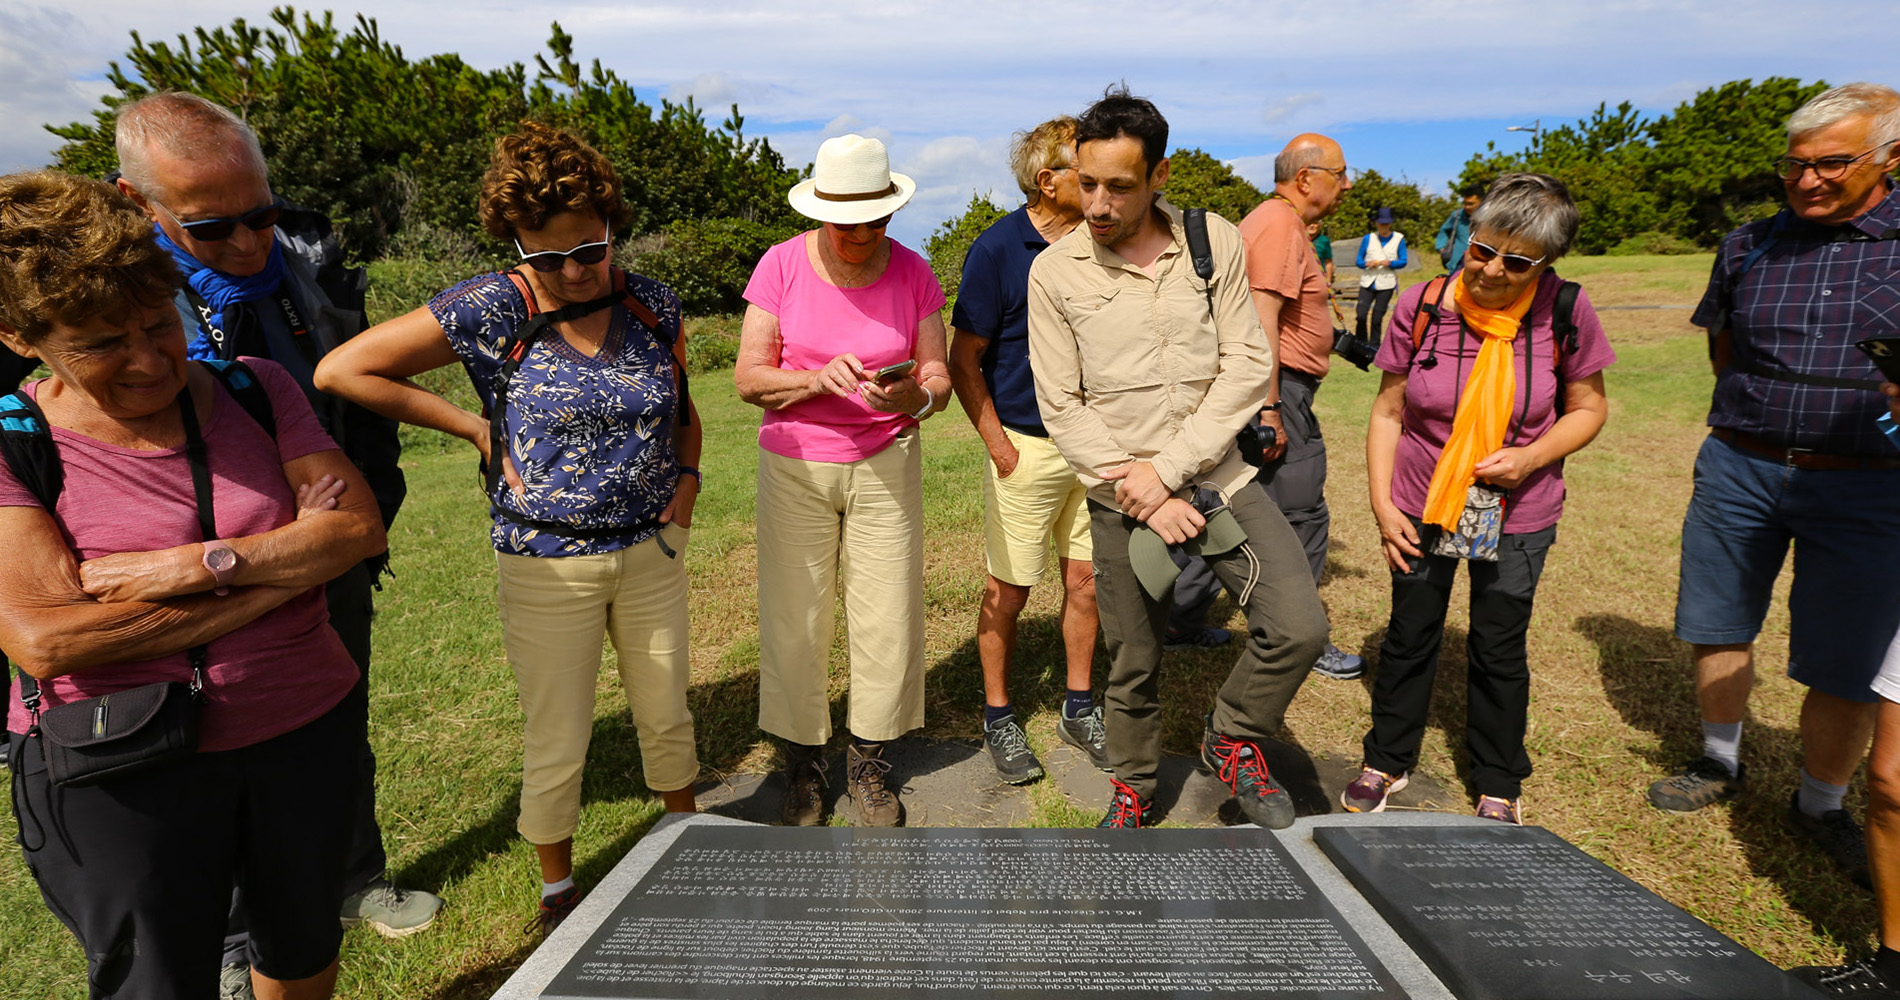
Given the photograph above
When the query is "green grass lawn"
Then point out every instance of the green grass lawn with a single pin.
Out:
(1612, 703)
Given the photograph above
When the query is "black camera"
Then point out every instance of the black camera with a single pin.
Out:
(1254, 440)
(1347, 345)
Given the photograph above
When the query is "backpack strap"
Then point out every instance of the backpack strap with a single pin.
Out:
(1427, 308)
(1784, 219)
(241, 382)
(26, 444)
(1200, 251)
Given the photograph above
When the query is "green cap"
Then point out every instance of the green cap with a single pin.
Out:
(1156, 570)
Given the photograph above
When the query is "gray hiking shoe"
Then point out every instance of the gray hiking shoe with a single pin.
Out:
(1199, 638)
(1340, 665)
(1009, 751)
(1086, 733)
(234, 982)
(1838, 836)
(389, 910)
(874, 802)
(1697, 783)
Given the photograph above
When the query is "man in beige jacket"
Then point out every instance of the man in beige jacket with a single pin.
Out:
(1144, 374)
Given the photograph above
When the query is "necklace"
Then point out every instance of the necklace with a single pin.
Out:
(835, 267)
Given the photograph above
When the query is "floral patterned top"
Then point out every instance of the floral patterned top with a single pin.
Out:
(592, 438)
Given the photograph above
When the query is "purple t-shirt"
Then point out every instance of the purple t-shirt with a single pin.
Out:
(819, 321)
(262, 680)
(1431, 396)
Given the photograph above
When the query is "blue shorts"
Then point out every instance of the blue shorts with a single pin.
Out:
(1844, 604)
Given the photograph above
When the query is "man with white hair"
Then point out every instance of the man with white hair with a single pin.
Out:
(1794, 455)
(264, 279)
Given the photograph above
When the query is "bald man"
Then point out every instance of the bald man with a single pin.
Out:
(1290, 293)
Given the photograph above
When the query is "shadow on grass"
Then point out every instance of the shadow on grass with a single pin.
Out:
(1649, 678)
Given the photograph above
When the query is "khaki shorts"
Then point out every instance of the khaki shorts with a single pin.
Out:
(1039, 501)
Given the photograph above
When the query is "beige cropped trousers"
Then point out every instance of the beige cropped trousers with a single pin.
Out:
(859, 524)
(554, 612)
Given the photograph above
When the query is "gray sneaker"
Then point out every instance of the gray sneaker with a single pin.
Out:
(1340, 665)
(1204, 637)
(1697, 783)
(234, 982)
(389, 910)
(1087, 734)
(1009, 751)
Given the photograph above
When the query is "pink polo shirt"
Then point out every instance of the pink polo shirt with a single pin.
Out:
(818, 321)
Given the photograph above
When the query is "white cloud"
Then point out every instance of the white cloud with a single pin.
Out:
(714, 91)
(1287, 107)
(842, 124)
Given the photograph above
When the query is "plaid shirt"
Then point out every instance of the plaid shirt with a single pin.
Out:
(1801, 308)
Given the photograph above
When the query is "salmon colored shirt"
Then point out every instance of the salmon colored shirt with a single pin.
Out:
(1281, 260)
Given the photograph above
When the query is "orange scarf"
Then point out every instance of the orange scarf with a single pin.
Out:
(1484, 410)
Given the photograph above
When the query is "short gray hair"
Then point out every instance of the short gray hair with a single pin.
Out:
(182, 125)
(1294, 159)
(1832, 106)
(1049, 146)
(1535, 208)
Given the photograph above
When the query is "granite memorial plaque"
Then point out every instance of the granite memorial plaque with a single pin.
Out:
(1518, 913)
(842, 914)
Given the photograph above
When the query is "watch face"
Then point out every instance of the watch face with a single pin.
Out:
(221, 560)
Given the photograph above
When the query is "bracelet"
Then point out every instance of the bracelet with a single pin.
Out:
(930, 403)
(687, 470)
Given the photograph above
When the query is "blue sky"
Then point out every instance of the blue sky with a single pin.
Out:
(1409, 88)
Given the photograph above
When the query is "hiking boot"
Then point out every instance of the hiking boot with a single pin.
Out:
(1697, 783)
(389, 910)
(1009, 751)
(1238, 764)
(875, 803)
(554, 909)
(234, 982)
(1368, 792)
(1126, 810)
(1838, 836)
(804, 803)
(1195, 638)
(1086, 733)
(1340, 665)
(1861, 980)
(1502, 810)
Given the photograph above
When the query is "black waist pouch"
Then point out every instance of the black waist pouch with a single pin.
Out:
(114, 735)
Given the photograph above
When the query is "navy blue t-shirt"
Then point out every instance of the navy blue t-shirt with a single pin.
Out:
(993, 303)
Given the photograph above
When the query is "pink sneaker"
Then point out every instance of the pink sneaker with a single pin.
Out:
(1368, 792)
(1502, 810)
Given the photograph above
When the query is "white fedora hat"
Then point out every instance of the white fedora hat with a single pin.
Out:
(851, 182)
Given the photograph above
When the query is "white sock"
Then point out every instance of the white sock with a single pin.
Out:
(1722, 741)
(1818, 798)
(550, 888)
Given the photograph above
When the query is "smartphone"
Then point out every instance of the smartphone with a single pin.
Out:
(1886, 354)
(891, 373)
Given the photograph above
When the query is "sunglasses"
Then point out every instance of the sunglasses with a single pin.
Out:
(1827, 168)
(549, 261)
(1516, 263)
(845, 227)
(213, 230)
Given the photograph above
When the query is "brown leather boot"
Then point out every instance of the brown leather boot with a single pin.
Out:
(804, 803)
(874, 803)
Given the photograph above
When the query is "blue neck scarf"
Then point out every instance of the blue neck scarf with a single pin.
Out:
(221, 290)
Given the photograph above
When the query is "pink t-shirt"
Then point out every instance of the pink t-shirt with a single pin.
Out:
(819, 321)
(262, 680)
(1431, 396)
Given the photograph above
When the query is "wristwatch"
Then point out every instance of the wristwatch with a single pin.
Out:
(1273, 407)
(221, 560)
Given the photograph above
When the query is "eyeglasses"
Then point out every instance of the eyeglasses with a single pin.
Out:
(1516, 263)
(549, 261)
(213, 230)
(1827, 168)
(845, 227)
(1339, 173)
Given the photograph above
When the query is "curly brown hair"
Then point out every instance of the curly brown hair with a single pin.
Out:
(73, 250)
(537, 172)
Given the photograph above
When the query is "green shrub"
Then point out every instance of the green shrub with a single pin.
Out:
(947, 246)
(1653, 242)
(712, 342)
(706, 262)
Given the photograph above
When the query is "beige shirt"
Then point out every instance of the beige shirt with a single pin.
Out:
(1130, 367)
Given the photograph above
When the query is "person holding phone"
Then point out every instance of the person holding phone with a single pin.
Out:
(1795, 458)
(843, 348)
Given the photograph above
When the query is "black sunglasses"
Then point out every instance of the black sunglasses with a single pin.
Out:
(845, 227)
(549, 261)
(213, 230)
(1516, 263)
